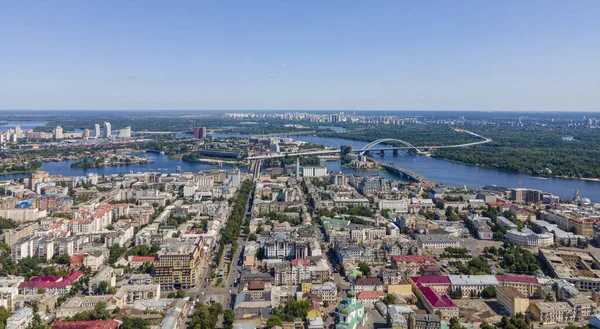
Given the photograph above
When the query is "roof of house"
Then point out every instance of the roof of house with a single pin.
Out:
(256, 285)
(368, 282)
(419, 259)
(142, 259)
(517, 279)
(438, 279)
(435, 299)
(99, 324)
(51, 281)
(481, 280)
(510, 292)
(369, 294)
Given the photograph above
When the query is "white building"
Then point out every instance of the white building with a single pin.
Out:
(21, 319)
(396, 205)
(314, 171)
(9, 289)
(125, 132)
(107, 130)
(96, 130)
(527, 237)
(58, 132)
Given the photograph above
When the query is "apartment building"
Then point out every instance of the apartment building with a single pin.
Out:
(176, 264)
(553, 312)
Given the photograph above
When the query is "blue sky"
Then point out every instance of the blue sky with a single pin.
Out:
(319, 55)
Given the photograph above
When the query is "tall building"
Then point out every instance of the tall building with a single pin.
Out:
(96, 130)
(86, 133)
(18, 131)
(199, 132)
(58, 132)
(125, 132)
(176, 264)
(107, 130)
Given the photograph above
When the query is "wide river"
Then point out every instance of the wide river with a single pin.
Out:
(441, 171)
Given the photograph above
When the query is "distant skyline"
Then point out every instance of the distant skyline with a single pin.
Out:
(304, 55)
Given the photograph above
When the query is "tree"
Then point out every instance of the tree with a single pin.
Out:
(63, 259)
(486, 325)
(100, 312)
(228, 319)
(102, 288)
(488, 292)
(4, 314)
(171, 295)
(365, 269)
(389, 299)
(117, 310)
(134, 323)
(180, 293)
(273, 321)
(455, 324)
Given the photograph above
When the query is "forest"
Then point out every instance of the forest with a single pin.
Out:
(536, 150)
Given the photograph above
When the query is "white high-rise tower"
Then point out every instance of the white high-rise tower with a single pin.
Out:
(107, 130)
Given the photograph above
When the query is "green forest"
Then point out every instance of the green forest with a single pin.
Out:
(533, 150)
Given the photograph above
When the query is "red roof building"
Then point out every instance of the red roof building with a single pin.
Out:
(526, 285)
(435, 302)
(54, 284)
(99, 324)
(142, 259)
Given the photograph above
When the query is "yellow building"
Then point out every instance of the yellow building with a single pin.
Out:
(512, 300)
(177, 263)
(307, 285)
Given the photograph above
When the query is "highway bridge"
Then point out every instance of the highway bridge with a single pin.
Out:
(373, 146)
(403, 172)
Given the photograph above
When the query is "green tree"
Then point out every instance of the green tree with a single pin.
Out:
(365, 269)
(488, 292)
(134, 323)
(102, 288)
(63, 259)
(4, 314)
(389, 299)
(273, 321)
(100, 312)
(228, 319)
(455, 324)
(180, 293)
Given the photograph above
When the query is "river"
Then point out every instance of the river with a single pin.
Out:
(458, 174)
(441, 171)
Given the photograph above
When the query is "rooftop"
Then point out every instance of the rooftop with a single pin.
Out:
(428, 280)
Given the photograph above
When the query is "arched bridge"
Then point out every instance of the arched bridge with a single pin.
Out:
(383, 140)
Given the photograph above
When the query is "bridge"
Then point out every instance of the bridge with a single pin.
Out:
(373, 147)
(403, 172)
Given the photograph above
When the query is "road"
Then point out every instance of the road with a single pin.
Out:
(224, 294)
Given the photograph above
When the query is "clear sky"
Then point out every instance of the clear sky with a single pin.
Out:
(300, 55)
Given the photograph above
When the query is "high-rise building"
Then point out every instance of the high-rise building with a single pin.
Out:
(18, 131)
(86, 133)
(107, 130)
(96, 130)
(199, 132)
(125, 132)
(58, 132)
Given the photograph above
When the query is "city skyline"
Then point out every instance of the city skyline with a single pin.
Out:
(527, 56)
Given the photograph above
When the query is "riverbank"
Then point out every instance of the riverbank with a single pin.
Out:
(19, 171)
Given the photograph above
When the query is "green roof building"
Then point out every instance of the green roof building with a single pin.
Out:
(350, 312)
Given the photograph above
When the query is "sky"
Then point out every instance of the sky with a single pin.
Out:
(300, 55)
